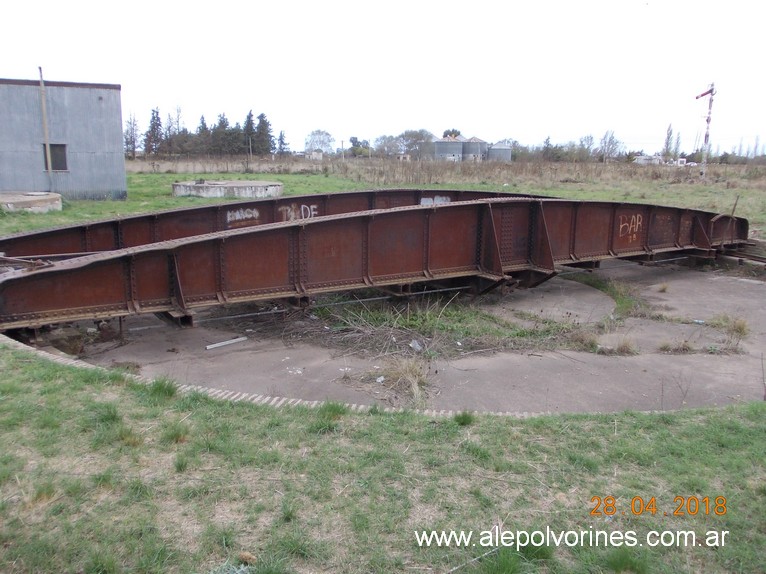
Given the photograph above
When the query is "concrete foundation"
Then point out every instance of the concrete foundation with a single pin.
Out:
(32, 201)
(243, 189)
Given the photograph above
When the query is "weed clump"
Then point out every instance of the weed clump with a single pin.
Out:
(464, 418)
(328, 417)
(676, 348)
(734, 328)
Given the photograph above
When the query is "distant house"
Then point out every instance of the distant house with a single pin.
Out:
(83, 123)
(648, 160)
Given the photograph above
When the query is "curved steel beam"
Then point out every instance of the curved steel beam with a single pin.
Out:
(496, 240)
(142, 229)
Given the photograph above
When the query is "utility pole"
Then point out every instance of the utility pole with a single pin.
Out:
(706, 149)
(46, 136)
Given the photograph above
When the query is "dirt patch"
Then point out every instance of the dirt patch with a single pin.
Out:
(683, 356)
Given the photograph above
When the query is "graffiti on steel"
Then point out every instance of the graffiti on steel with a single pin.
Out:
(630, 226)
(235, 216)
(293, 211)
(436, 200)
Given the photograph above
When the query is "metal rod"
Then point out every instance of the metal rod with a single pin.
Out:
(619, 266)
(387, 297)
(338, 303)
(241, 316)
(322, 306)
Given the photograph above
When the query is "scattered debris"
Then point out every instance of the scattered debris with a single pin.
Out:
(224, 343)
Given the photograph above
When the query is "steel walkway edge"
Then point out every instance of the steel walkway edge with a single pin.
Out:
(493, 241)
(154, 227)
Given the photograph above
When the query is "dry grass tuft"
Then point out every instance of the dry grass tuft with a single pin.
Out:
(676, 348)
(734, 328)
(400, 381)
(584, 340)
(626, 347)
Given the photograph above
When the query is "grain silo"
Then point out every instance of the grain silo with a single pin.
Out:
(449, 149)
(474, 149)
(499, 152)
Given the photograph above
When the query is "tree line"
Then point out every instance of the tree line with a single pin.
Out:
(419, 144)
(254, 137)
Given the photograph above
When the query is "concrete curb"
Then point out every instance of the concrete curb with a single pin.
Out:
(234, 396)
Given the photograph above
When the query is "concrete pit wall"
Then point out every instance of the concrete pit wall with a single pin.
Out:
(240, 189)
(31, 201)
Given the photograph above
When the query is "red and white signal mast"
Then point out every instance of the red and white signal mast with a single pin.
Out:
(706, 150)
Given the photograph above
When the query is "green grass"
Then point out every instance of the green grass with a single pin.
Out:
(464, 418)
(627, 302)
(327, 489)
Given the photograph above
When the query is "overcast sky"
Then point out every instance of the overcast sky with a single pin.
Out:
(492, 69)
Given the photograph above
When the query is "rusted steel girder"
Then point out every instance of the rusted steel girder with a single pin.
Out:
(142, 229)
(495, 241)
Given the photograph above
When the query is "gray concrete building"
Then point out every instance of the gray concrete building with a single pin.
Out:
(83, 127)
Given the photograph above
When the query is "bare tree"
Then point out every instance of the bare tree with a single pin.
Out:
(418, 143)
(388, 145)
(319, 140)
(585, 149)
(609, 147)
(131, 136)
(667, 149)
(170, 133)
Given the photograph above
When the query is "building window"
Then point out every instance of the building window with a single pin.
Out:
(58, 157)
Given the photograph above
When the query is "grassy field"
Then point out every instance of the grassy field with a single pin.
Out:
(101, 474)
(150, 191)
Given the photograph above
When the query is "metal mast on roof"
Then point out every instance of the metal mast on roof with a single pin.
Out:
(706, 150)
